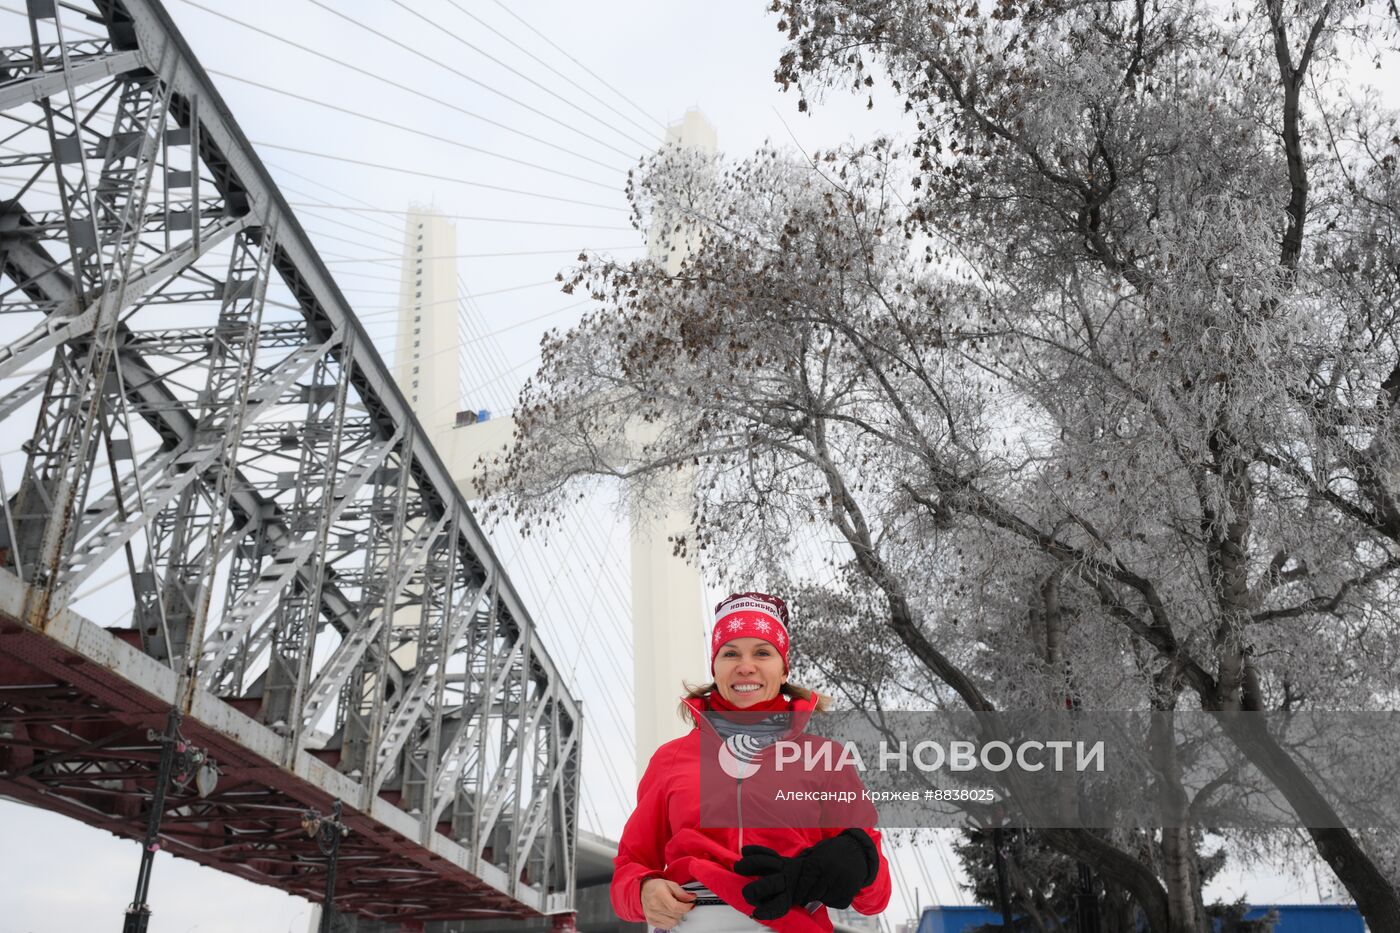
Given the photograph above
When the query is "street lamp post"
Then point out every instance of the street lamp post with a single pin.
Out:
(181, 763)
(328, 831)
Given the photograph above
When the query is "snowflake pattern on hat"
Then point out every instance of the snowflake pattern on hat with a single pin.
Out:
(750, 615)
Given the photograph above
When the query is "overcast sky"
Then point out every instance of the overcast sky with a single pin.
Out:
(663, 57)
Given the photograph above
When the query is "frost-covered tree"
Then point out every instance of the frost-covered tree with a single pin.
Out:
(1092, 385)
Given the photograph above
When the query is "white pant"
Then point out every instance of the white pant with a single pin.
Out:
(717, 918)
(714, 918)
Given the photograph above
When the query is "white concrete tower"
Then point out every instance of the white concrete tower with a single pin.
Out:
(429, 339)
(692, 131)
(669, 614)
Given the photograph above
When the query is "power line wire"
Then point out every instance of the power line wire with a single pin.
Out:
(522, 76)
(466, 77)
(588, 70)
(448, 178)
(403, 87)
(409, 129)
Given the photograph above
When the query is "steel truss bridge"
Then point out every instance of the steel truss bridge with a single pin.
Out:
(221, 503)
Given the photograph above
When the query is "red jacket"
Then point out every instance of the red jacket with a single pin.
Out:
(663, 838)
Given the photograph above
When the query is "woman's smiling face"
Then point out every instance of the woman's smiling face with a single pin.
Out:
(748, 671)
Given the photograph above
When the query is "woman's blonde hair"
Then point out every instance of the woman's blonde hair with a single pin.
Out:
(692, 692)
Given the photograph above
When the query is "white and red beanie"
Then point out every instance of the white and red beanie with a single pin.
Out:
(750, 615)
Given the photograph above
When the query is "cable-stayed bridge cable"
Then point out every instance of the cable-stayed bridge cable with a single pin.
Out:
(534, 252)
(367, 275)
(492, 362)
(491, 358)
(327, 204)
(524, 77)
(481, 356)
(589, 71)
(443, 301)
(67, 27)
(410, 129)
(466, 77)
(436, 177)
(535, 58)
(509, 327)
(403, 87)
(343, 225)
(484, 220)
(339, 239)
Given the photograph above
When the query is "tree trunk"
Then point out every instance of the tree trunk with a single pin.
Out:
(1119, 916)
(1101, 855)
(1031, 901)
(1373, 892)
(1178, 870)
(1227, 556)
(1179, 863)
(1113, 864)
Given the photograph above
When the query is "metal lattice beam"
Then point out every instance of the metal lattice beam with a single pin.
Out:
(303, 578)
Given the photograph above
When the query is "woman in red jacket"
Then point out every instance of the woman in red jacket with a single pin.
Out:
(671, 871)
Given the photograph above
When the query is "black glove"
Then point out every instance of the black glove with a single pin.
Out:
(833, 871)
(772, 893)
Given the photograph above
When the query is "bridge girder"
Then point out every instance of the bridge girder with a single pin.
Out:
(205, 418)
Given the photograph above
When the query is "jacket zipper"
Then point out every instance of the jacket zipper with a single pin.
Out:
(739, 801)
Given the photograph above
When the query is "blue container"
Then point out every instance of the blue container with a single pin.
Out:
(1292, 918)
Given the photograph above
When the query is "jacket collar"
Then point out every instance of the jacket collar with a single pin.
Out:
(800, 708)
